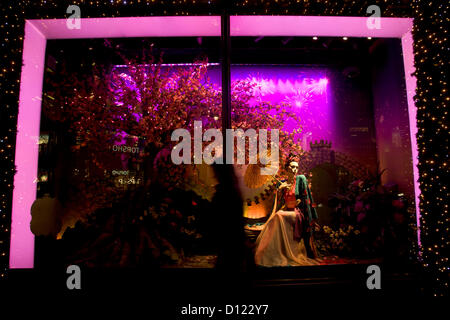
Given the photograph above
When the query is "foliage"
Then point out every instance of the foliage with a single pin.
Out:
(340, 241)
(141, 109)
(157, 234)
(369, 220)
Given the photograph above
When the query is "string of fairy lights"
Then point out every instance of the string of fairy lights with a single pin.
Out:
(431, 60)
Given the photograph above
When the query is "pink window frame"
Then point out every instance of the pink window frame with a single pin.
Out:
(37, 32)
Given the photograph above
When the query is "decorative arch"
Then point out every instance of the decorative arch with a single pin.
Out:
(322, 152)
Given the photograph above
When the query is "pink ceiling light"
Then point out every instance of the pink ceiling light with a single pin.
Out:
(38, 31)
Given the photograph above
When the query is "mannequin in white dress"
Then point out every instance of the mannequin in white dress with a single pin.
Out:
(282, 240)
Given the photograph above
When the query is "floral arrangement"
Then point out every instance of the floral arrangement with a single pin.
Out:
(370, 220)
(338, 242)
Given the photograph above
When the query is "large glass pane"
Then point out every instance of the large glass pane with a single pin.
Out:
(109, 189)
(343, 192)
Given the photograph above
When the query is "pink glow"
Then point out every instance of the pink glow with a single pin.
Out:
(316, 26)
(28, 123)
(307, 93)
(408, 62)
(38, 31)
(186, 26)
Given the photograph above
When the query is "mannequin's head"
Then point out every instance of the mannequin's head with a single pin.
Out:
(293, 167)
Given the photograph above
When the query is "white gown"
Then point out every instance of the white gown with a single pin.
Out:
(276, 246)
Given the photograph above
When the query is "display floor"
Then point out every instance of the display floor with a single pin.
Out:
(208, 261)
